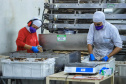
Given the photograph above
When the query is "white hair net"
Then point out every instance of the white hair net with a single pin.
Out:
(99, 16)
(37, 22)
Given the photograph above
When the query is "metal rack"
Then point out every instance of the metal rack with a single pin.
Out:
(77, 15)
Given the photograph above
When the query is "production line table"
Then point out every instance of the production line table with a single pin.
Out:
(59, 76)
(63, 77)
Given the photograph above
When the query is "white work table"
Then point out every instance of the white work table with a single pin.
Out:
(64, 77)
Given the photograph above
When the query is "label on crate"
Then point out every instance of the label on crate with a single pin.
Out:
(61, 37)
(110, 5)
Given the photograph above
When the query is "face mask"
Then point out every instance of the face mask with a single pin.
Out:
(32, 30)
(98, 27)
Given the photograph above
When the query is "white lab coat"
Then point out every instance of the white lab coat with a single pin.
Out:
(104, 39)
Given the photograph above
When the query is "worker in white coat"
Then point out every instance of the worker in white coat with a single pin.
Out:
(102, 37)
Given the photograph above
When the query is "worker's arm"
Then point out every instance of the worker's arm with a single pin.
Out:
(116, 50)
(20, 38)
(116, 40)
(90, 38)
(28, 47)
(92, 57)
(90, 42)
(33, 48)
(90, 49)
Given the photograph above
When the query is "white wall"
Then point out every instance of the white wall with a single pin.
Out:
(14, 14)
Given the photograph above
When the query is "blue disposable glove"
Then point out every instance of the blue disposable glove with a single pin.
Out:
(35, 49)
(102, 69)
(92, 58)
(104, 58)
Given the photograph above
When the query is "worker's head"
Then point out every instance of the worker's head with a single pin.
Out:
(99, 20)
(34, 24)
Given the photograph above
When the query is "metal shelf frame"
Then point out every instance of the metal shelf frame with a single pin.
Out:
(77, 26)
(84, 5)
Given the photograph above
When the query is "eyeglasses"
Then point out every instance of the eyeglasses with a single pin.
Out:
(34, 26)
(98, 24)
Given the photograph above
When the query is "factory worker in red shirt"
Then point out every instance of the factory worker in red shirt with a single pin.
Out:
(27, 36)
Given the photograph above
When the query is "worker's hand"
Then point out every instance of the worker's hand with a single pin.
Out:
(40, 49)
(104, 58)
(92, 58)
(35, 49)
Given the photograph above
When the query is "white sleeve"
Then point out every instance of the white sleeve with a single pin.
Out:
(90, 35)
(116, 37)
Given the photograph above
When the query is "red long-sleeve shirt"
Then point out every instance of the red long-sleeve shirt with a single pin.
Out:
(25, 37)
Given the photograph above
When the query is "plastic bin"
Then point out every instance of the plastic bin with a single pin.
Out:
(1, 58)
(121, 68)
(109, 64)
(28, 68)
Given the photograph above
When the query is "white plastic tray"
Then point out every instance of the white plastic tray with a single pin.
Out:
(28, 68)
